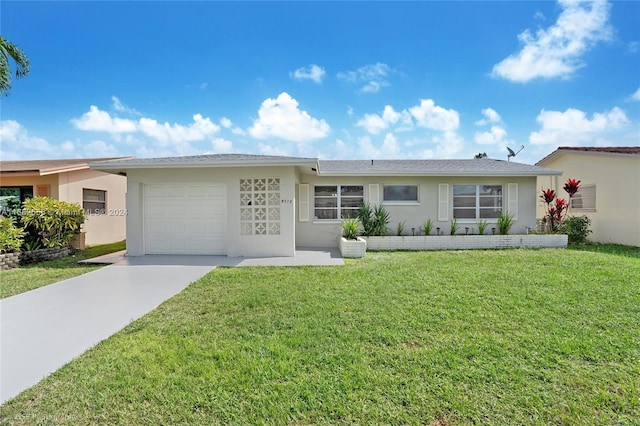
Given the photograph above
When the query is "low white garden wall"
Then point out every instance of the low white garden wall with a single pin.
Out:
(465, 242)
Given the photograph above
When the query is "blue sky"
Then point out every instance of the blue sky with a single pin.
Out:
(334, 80)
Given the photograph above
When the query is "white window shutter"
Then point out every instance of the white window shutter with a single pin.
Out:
(443, 202)
(512, 199)
(374, 193)
(303, 202)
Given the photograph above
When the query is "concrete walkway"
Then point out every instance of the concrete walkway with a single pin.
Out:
(303, 257)
(43, 329)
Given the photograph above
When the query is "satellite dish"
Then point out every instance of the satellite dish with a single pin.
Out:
(513, 154)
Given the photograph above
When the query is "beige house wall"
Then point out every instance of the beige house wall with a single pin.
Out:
(323, 233)
(49, 180)
(103, 228)
(616, 218)
(68, 186)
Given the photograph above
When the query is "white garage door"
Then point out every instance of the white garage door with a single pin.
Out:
(185, 219)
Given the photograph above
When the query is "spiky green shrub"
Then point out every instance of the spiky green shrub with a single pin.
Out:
(381, 218)
(505, 222)
(350, 228)
(365, 215)
(482, 225)
(454, 227)
(374, 220)
(55, 222)
(427, 227)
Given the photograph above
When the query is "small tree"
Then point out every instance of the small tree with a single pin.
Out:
(10, 50)
(556, 209)
(55, 222)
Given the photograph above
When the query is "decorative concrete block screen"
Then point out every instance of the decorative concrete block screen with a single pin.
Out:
(260, 206)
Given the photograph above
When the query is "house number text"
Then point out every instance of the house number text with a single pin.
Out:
(286, 201)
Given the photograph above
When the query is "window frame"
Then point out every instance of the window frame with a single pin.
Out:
(477, 200)
(24, 192)
(592, 199)
(401, 202)
(95, 211)
(339, 197)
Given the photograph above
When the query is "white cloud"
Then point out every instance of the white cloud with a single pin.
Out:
(17, 143)
(442, 123)
(221, 145)
(272, 150)
(373, 77)
(68, 146)
(573, 127)
(374, 123)
(101, 121)
(633, 46)
(636, 95)
(495, 136)
(390, 145)
(100, 149)
(226, 123)
(490, 116)
(313, 72)
(434, 117)
(118, 106)
(281, 118)
(448, 144)
(200, 129)
(557, 50)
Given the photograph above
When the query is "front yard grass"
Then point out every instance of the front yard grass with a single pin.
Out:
(437, 338)
(16, 281)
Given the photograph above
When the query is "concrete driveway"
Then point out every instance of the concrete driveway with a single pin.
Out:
(43, 329)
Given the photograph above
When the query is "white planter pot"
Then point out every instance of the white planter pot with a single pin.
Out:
(466, 242)
(353, 248)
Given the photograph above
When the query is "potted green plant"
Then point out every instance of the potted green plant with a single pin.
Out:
(351, 245)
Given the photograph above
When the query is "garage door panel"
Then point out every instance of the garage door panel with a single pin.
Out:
(185, 219)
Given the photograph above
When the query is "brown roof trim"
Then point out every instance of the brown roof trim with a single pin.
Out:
(618, 150)
(48, 167)
(612, 149)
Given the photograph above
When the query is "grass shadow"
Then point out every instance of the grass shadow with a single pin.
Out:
(613, 249)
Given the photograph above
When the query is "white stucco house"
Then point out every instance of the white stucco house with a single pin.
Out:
(610, 194)
(253, 205)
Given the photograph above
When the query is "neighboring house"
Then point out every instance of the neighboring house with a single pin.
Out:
(252, 205)
(610, 195)
(101, 194)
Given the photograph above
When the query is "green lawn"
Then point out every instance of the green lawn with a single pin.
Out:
(16, 281)
(436, 338)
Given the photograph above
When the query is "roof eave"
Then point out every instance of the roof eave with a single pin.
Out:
(445, 174)
(56, 170)
(190, 165)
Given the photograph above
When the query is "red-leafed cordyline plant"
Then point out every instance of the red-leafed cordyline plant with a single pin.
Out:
(557, 208)
(571, 187)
